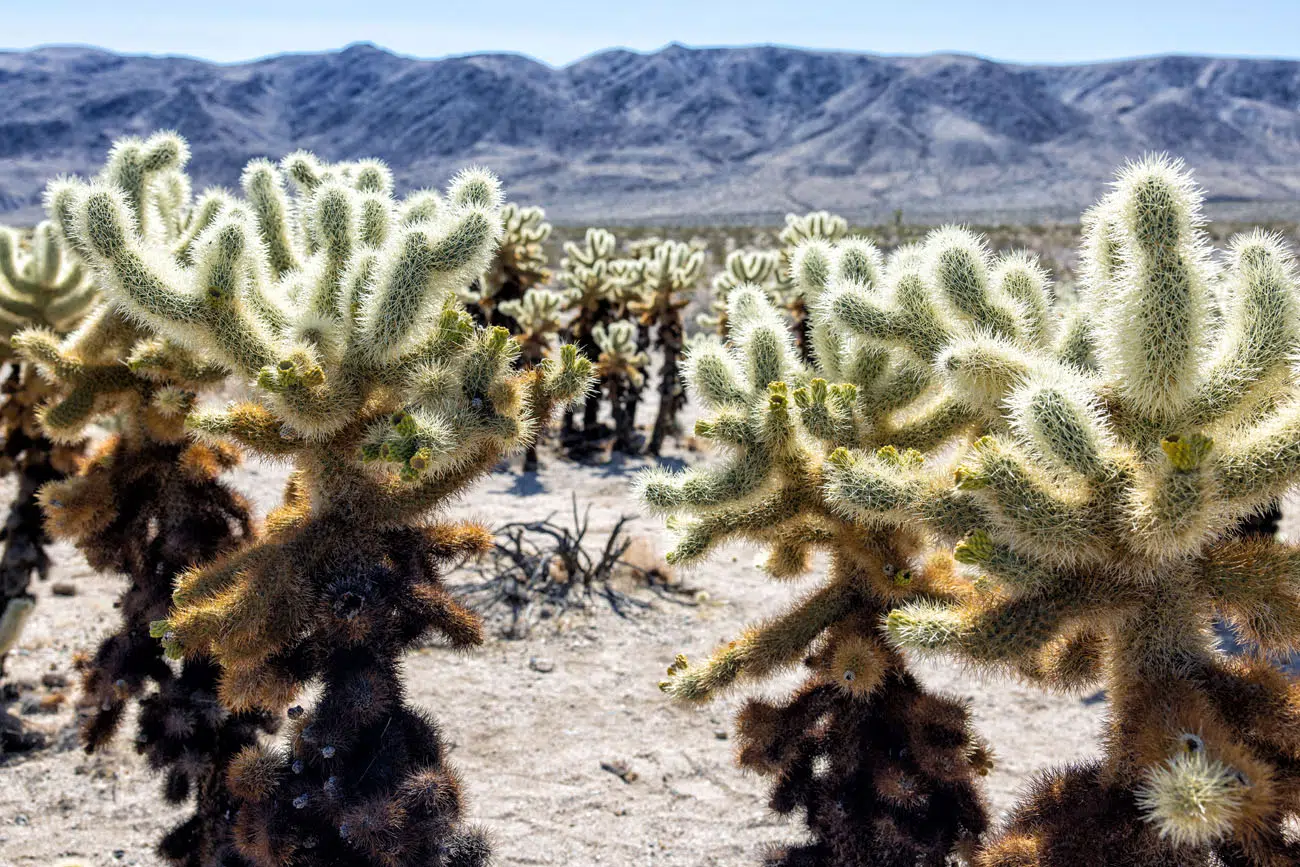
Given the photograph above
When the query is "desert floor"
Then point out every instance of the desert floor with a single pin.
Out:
(531, 720)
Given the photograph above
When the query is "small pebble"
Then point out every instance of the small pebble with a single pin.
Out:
(20, 819)
(541, 664)
(54, 680)
(620, 769)
(63, 588)
(119, 854)
(720, 734)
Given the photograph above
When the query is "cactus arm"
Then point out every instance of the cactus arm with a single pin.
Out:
(752, 521)
(984, 370)
(960, 272)
(944, 419)
(423, 265)
(1158, 313)
(1263, 462)
(1019, 278)
(1256, 586)
(249, 424)
(1263, 329)
(1051, 522)
(264, 189)
(762, 649)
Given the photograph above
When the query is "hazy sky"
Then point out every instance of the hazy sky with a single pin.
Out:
(560, 31)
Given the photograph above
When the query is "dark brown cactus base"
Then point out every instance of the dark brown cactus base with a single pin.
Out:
(886, 781)
(151, 510)
(364, 782)
(1074, 816)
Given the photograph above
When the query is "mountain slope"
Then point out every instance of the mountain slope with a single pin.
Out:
(739, 133)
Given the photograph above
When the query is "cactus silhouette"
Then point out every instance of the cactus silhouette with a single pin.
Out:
(1099, 521)
(590, 288)
(620, 367)
(389, 401)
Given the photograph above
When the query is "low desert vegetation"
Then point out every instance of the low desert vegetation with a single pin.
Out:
(1049, 455)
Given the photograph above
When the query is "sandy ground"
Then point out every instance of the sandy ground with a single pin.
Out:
(531, 721)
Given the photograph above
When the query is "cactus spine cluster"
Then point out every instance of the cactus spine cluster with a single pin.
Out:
(337, 304)
(884, 771)
(1097, 521)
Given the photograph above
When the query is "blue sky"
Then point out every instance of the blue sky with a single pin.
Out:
(560, 31)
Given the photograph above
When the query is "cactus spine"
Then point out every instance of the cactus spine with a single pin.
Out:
(374, 381)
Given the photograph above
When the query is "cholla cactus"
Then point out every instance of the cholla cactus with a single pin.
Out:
(884, 770)
(148, 503)
(814, 226)
(621, 371)
(742, 268)
(670, 269)
(539, 317)
(585, 273)
(518, 266)
(389, 401)
(1100, 523)
(44, 287)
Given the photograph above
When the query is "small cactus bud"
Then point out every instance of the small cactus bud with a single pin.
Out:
(976, 548)
(840, 458)
(1186, 453)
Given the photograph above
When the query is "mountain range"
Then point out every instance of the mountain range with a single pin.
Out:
(682, 135)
